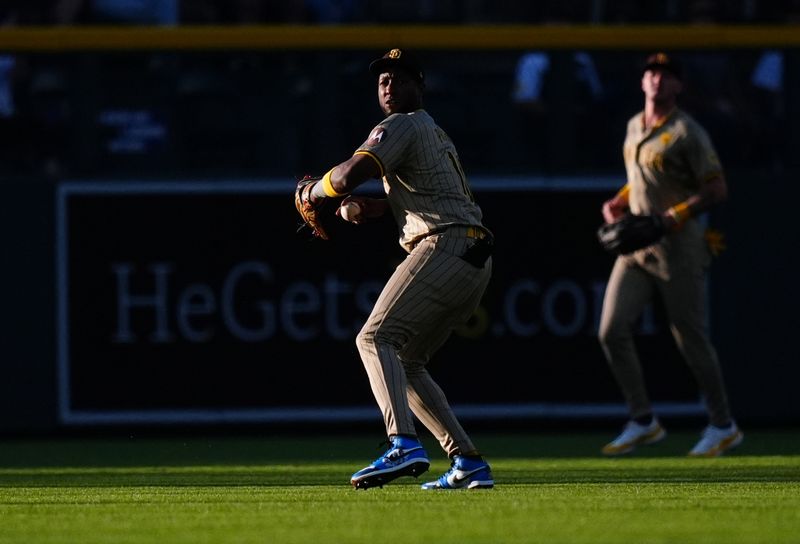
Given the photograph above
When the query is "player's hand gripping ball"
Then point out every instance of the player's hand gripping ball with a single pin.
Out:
(630, 233)
(351, 211)
(317, 217)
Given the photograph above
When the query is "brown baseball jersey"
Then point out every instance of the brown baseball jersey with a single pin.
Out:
(422, 176)
(437, 286)
(665, 165)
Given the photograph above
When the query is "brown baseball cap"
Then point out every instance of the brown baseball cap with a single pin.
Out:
(663, 61)
(394, 59)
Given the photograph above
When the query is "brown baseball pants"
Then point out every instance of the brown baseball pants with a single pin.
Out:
(431, 292)
(629, 290)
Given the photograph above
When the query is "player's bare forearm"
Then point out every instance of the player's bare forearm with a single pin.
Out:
(614, 208)
(345, 177)
(353, 172)
(712, 192)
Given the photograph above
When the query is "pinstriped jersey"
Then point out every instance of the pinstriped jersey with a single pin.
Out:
(666, 164)
(424, 182)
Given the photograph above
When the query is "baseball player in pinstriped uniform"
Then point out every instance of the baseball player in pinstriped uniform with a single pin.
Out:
(673, 171)
(435, 289)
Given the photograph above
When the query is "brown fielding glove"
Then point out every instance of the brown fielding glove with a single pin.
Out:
(319, 218)
(630, 233)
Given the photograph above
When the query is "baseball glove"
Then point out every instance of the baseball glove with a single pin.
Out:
(630, 233)
(318, 219)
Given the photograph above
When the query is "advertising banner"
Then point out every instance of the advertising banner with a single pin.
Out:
(198, 302)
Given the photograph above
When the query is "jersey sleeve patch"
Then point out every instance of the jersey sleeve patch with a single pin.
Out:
(376, 136)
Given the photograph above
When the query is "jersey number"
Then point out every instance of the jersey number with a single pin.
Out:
(460, 171)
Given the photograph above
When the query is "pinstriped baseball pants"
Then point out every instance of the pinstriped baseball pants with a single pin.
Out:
(430, 293)
(629, 289)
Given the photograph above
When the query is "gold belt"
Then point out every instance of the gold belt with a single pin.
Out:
(475, 232)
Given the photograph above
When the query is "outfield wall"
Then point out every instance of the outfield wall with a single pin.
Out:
(146, 302)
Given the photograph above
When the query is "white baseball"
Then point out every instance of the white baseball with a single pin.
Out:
(351, 211)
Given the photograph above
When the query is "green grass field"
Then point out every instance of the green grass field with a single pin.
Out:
(550, 488)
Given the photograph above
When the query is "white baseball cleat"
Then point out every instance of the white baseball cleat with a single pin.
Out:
(464, 473)
(635, 434)
(715, 441)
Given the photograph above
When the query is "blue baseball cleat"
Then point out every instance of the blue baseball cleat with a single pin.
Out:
(405, 457)
(464, 474)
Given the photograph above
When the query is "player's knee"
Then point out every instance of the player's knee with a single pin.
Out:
(373, 340)
(365, 340)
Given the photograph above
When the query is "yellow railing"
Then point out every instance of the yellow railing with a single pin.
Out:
(480, 37)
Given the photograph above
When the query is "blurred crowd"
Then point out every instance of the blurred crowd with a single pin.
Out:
(59, 12)
(253, 113)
